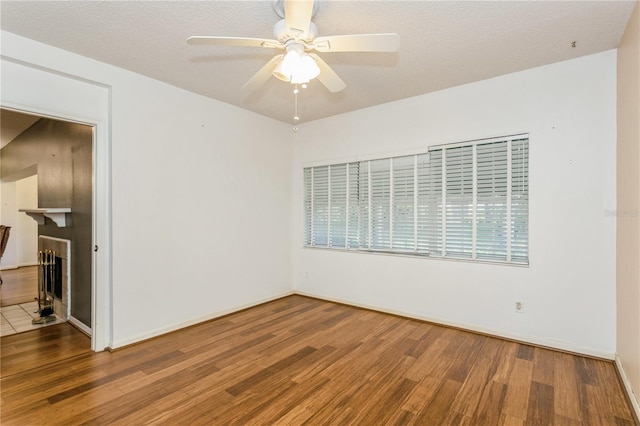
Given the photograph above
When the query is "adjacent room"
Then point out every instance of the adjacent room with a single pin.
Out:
(47, 257)
(321, 212)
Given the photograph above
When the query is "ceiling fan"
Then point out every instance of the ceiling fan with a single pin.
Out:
(298, 37)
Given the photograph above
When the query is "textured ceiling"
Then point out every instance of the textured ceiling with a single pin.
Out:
(442, 43)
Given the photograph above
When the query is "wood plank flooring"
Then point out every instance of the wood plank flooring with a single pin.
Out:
(19, 285)
(22, 353)
(304, 361)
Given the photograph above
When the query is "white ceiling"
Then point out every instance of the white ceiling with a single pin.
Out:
(442, 43)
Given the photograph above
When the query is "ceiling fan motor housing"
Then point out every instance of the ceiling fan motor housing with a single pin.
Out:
(281, 33)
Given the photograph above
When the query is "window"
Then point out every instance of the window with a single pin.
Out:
(458, 188)
(403, 231)
(429, 206)
(320, 206)
(464, 201)
(491, 201)
(338, 206)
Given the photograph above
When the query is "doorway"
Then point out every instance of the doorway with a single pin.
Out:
(38, 90)
(56, 158)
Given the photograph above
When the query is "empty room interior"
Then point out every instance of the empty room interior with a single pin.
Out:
(320, 212)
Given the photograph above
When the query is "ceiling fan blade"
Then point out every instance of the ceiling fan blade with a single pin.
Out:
(388, 42)
(297, 15)
(327, 76)
(263, 75)
(234, 41)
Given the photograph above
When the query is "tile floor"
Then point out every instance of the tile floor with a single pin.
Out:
(17, 318)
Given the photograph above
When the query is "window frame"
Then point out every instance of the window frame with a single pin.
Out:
(363, 165)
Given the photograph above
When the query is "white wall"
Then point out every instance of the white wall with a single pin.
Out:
(628, 209)
(201, 198)
(9, 217)
(22, 247)
(568, 290)
(201, 207)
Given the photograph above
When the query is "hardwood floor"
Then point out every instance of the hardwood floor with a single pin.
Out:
(19, 285)
(46, 346)
(304, 361)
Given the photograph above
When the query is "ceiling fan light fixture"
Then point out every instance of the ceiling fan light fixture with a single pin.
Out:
(280, 74)
(297, 67)
(291, 62)
(308, 67)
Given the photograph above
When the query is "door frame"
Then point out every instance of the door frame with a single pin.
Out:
(45, 92)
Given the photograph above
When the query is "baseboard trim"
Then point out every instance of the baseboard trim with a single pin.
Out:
(80, 326)
(119, 344)
(554, 345)
(18, 266)
(633, 400)
(9, 267)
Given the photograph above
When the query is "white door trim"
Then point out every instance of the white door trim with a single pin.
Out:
(37, 90)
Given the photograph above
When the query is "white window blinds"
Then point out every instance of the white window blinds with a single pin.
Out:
(320, 202)
(459, 201)
(354, 210)
(467, 201)
(338, 205)
(491, 201)
(519, 201)
(403, 205)
(308, 205)
(380, 204)
(429, 203)
(365, 205)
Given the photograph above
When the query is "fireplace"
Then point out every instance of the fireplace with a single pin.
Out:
(54, 272)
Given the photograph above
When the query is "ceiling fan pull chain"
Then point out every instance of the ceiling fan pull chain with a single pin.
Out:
(296, 118)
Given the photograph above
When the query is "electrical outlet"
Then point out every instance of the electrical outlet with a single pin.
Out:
(519, 307)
